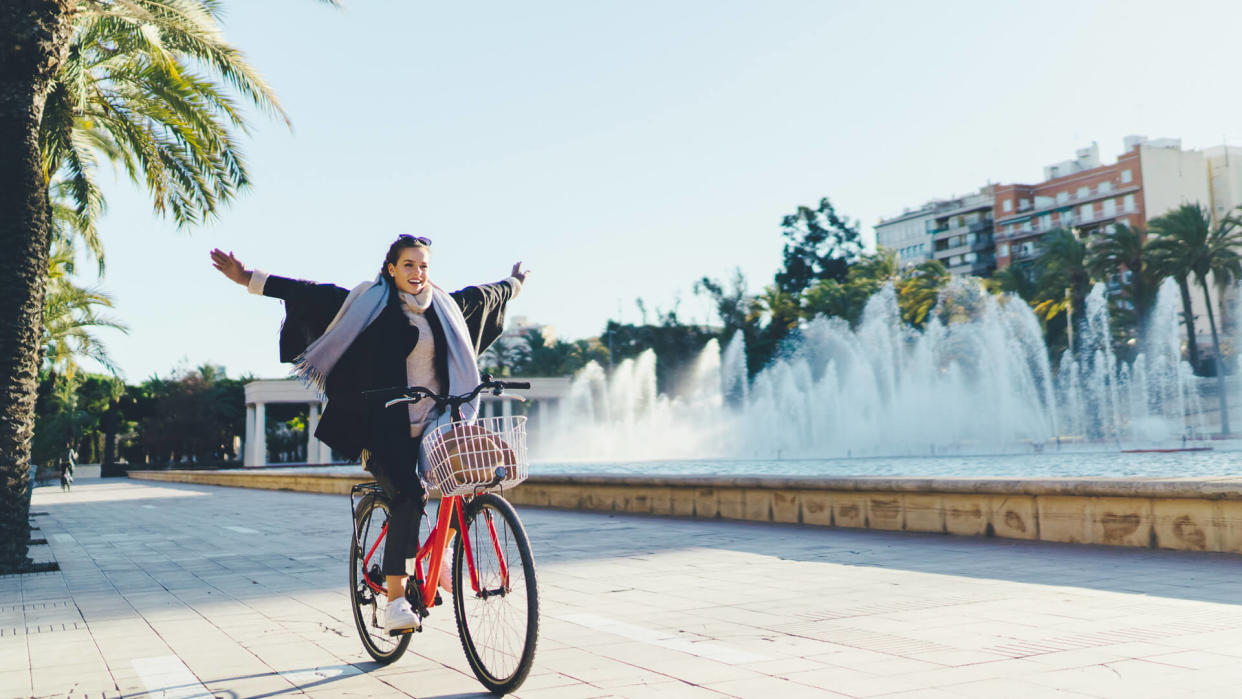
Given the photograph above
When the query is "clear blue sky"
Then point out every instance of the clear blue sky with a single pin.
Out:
(626, 149)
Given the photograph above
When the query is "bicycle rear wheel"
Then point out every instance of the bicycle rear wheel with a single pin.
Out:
(370, 517)
(498, 623)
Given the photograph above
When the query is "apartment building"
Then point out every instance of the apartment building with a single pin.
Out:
(962, 236)
(908, 234)
(956, 231)
(1149, 179)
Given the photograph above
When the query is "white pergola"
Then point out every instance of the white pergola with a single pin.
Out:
(260, 393)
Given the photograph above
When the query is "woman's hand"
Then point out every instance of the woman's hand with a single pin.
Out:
(518, 273)
(230, 267)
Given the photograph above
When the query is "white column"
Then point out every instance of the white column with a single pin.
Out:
(325, 451)
(248, 446)
(260, 435)
(313, 446)
(506, 407)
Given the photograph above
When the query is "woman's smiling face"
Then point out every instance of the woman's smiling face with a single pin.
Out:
(410, 271)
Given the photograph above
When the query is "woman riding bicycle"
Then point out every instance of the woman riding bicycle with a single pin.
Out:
(399, 330)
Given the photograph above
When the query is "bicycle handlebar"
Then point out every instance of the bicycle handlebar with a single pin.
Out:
(412, 394)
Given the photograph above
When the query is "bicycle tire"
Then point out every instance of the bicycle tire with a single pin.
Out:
(486, 637)
(379, 645)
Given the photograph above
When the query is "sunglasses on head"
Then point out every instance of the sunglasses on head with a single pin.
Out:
(421, 240)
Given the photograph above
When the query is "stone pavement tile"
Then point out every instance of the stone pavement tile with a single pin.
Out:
(1195, 659)
(635, 677)
(438, 682)
(15, 683)
(672, 690)
(1096, 655)
(838, 655)
(852, 682)
(956, 658)
(784, 665)
(924, 693)
(1006, 689)
(1004, 669)
(897, 666)
(360, 685)
(1129, 678)
(14, 654)
(584, 665)
(76, 684)
(769, 687)
(546, 680)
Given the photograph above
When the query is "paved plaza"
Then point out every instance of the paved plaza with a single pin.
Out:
(189, 591)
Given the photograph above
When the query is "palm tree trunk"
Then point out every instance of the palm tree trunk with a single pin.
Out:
(1188, 316)
(1078, 314)
(1138, 297)
(33, 37)
(1220, 364)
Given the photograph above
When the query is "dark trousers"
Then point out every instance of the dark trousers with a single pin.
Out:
(404, 490)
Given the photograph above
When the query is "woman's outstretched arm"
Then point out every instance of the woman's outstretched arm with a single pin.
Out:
(309, 307)
(230, 266)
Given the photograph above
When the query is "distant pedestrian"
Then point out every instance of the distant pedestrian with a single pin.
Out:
(66, 475)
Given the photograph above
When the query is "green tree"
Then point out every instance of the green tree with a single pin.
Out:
(1186, 243)
(148, 83)
(194, 415)
(1173, 236)
(1064, 281)
(918, 291)
(70, 314)
(1122, 252)
(820, 244)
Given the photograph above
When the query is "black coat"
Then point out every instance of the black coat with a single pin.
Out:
(376, 359)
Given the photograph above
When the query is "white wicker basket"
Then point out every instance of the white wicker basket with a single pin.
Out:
(464, 457)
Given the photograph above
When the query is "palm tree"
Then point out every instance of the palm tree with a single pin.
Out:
(1169, 259)
(1065, 281)
(918, 291)
(150, 84)
(1119, 250)
(70, 313)
(1189, 245)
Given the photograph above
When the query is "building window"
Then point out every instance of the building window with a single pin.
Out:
(1127, 202)
(1003, 250)
(1110, 207)
(1045, 222)
(1084, 192)
(1126, 177)
(1106, 187)
(1007, 205)
(1086, 211)
(1062, 197)
(1024, 204)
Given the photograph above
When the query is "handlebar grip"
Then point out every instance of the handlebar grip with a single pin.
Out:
(515, 384)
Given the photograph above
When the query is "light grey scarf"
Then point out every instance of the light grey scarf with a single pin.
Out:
(363, 305)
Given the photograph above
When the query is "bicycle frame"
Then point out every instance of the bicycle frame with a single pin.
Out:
(435, 548)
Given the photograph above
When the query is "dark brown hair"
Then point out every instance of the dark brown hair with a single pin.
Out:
(402, 242)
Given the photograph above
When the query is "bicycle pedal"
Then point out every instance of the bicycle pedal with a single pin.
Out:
(405, 632)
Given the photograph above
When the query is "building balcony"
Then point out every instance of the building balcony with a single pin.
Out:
(1072, 200)
(973, 246)
(977, 268)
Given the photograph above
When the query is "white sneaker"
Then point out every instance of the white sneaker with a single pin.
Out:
(399, 616)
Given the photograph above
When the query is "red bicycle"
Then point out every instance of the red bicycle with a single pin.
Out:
(495, 598)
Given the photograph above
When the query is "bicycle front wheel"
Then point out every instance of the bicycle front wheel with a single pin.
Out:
(370, 517)
(497, 609)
